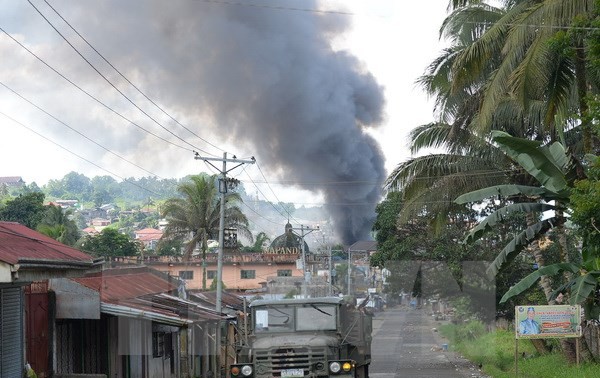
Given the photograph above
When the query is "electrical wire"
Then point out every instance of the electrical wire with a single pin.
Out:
(125, 78)
(276, 7)
(89, 94)
(77, 131)
(77, 155)
(110, 83)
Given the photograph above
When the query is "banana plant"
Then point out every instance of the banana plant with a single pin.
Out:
(582, 287)
(555, 172)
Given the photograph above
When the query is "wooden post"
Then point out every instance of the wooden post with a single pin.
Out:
(516, 357)
(577, 350)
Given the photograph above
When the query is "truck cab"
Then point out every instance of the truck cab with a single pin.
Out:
(313, 337)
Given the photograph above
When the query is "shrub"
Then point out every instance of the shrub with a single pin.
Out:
(469, 331)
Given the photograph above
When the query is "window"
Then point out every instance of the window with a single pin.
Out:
(211, 274)
(274, 319)
(186, 274)
(158, 344)
(284, 273)
(316, 318)
(247, 274)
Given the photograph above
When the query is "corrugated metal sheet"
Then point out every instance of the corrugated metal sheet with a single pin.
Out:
(363, 246)
(131, 284)
(141, 292)
(11, 332)
(209, 298)
(19, 243)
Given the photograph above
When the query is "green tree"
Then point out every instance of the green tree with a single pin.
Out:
(58, 224)
(77, 185)
(26, 209)
(110, 243)
(260, 242)
(195, 216)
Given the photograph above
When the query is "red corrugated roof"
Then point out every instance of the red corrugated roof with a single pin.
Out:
(115, 285)
(18, 243)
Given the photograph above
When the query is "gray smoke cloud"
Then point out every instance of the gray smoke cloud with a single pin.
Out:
(269, 77)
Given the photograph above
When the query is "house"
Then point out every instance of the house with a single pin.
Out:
(241, 271)
(100, 222)
(12, 181)
(66, 204)
(27, 256)
(132, 322)
(149, 237)
(90, 231)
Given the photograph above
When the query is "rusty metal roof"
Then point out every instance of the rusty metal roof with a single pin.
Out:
(209, 299)
(120, 284)
(20, 245)
(146, 290)
(363, 246)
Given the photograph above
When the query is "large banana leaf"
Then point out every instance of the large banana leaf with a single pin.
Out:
(499, 215)
(516, 245)
(532, 278)
(546, 163)
(501, 190)
(583, 287)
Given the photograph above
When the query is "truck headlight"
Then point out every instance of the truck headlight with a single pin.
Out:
(335, 367)
(246, 370)
(341, 367)
(241, 370)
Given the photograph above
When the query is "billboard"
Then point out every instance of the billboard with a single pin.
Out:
(541, 322)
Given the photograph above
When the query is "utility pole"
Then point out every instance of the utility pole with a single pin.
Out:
(330, 269)
(349, 272)
(223, 192)
(302, 235)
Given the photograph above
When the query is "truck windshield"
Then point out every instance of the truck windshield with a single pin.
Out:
(274, 319)
(316, 318)
(309, 317)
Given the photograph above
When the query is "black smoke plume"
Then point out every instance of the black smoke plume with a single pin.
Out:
(268, 74)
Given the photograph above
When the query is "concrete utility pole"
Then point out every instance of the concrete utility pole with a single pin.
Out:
(330, 269)
(302, 235)
(349, 272)
(222, 191)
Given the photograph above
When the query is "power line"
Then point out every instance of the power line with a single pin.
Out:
(89, 94)
(110, 83)
(77, 131)
(122, 75)
(272, 191)
(277, 7)
(77, 155)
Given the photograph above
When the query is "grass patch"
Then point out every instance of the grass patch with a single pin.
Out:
(495, 351)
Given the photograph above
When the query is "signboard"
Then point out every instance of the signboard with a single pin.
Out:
(541, 322)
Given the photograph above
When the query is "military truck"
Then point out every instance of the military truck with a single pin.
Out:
(313, 337)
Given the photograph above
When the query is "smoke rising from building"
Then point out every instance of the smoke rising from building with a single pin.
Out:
(270, 78)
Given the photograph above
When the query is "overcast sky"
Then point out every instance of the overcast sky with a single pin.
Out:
(322, 94)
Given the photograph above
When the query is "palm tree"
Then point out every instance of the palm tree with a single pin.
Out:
(541, 67)
(58, 225)
(195, 216)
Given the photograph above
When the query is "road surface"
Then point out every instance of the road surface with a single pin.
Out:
(405, 344)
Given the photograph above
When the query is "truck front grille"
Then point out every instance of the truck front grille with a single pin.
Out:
(272, 361)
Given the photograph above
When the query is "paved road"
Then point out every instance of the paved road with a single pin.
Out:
(406, 345)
